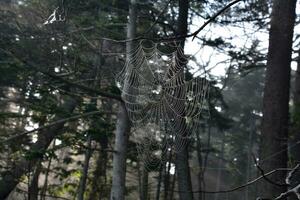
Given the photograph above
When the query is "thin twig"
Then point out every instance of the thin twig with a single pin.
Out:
(265, 177)
(291, 173)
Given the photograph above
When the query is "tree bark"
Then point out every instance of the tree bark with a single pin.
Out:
(276, 95)
(119, 158)
(123, 123)
(295, 151)
(295, 128)
(182, 157)
(9, 179)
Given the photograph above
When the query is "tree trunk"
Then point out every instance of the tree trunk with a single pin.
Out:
(123, 123)
(84, 176)
(276, 95)
(167, 175)
(34, 184)
(295, 129)
(200, 165)
(249, 159)
(10, 179)
(119, 158)
(182, 158)
(144, 185)
(220, 167)
(45, 186)
(159, 180)
(98, 184)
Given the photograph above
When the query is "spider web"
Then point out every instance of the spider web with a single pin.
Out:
(163, 106)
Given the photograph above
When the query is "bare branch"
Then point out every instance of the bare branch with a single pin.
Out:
(241, 186)
(265, 177)
(294, 190)
(214, 17)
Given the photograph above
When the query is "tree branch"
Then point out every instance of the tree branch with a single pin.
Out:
(214, 17)
(265, 177)
(238, 187)
(16, 136)
(79, 86)
(294, 190)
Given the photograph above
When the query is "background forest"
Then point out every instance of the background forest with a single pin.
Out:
(65, 132)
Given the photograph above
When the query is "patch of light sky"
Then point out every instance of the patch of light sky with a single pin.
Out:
(239, 35)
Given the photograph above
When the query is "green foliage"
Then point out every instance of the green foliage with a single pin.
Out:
(34, 154)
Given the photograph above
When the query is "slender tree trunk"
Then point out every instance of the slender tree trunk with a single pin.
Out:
(200, 162)
(45, 186)
(220, 166)
(123, 123)
(167, 175)
(99, 179)
(276, 95)
(144, 190)
(248, 192)
(159, 180)
(34, 184)
(143, 181)
(172, 186)
(10, 179)
(94, 194)
(84, 176)
(182, 157)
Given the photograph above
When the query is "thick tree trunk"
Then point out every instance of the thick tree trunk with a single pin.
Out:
(276, 94)
(182, 157)
(295, 129)
(123, 123)
(10, 179)
(295, 137)
(119, 158)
